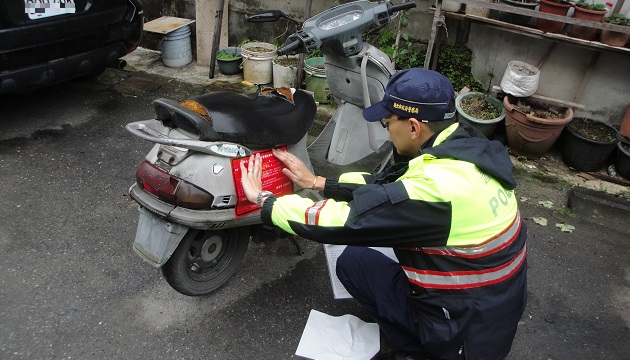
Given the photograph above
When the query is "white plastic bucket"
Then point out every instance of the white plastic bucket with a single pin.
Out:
(284, 76)
(176, 48)
(450, 5)
(257, 65)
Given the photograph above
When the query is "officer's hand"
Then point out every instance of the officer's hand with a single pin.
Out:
(251, 177)
(295, 169)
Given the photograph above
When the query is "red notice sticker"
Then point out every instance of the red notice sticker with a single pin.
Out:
(272, 180)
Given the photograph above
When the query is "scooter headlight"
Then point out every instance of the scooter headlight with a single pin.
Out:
(171, 189)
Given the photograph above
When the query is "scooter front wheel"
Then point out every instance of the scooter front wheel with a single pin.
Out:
(205, 260)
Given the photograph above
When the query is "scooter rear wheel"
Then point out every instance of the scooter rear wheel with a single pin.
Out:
(205, 260)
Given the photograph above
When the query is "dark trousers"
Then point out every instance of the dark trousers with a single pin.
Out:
(380, 286)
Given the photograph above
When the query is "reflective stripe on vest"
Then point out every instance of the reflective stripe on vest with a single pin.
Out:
(454, 280)
(505, 238)
(312, 213)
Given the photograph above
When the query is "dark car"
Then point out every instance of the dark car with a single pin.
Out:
(44, 42)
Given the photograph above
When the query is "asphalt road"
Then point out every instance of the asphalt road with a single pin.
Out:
(72, 288)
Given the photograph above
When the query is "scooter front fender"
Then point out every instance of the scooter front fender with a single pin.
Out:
(156, 238)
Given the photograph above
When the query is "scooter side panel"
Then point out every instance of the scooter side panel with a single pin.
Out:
(211, 173)
(156, 238)
(349, 142)
(344, 76)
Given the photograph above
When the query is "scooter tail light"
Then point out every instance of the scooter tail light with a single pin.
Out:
(171, 189)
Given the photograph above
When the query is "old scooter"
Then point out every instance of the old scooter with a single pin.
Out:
(195, 222)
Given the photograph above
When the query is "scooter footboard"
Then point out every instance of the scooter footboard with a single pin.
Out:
(156, 238)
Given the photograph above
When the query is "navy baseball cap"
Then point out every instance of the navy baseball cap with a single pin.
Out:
(414, 93)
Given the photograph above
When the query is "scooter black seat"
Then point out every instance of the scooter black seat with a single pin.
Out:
(266, 118)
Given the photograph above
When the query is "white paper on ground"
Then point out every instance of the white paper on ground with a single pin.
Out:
(343, 337)
(332, 253)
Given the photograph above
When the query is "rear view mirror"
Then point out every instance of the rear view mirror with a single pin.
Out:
(271, 15)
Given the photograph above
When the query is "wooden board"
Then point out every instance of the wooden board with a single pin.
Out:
(166, 24)
(563, 103)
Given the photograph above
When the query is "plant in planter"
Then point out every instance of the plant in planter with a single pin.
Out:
(479, 110)
(615, 38)
(518, 19)
(229, 60)
(478, 10)
(257, 63)
(587, 11)
(556, 7)
(450, 5)
(587, 144)
(533, 126)
(622, 160)
(285, 71)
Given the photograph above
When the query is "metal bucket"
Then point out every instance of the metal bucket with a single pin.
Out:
(176, 48)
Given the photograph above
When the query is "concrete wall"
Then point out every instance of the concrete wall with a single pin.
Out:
(606, 95)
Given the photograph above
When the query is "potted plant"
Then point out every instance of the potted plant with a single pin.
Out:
(555, 7)
(451, 6)
(518, 19)
(615, 38)
(258, 62)
(478, 10)
(622, 160)
(229, 60)
(285, 71)
(587, 144)
(533, 126)
(480, 110)
(316, 80)
(587, 11)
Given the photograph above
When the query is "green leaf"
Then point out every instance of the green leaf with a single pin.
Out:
(540, 220)
(565, 227)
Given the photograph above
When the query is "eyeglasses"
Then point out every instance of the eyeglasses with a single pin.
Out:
(385, 122)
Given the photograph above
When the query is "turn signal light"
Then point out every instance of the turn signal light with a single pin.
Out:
(171, 189)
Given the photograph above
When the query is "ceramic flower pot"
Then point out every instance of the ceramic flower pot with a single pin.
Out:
(485, 126)
(551, 7)
(529, 135)
(584, 32)
(614, 38)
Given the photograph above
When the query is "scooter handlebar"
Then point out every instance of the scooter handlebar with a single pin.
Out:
(403, 6)
(288, 48)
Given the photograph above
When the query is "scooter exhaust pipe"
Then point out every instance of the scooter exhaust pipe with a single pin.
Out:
(118, 64)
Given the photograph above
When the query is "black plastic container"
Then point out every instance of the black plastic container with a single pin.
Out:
(585, 154)
(622, 161)
(516, 19)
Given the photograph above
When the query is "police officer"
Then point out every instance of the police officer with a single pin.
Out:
(459, 287)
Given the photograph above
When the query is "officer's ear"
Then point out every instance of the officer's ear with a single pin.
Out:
(417, 127)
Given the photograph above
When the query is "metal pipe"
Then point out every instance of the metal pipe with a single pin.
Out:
(118, 64)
